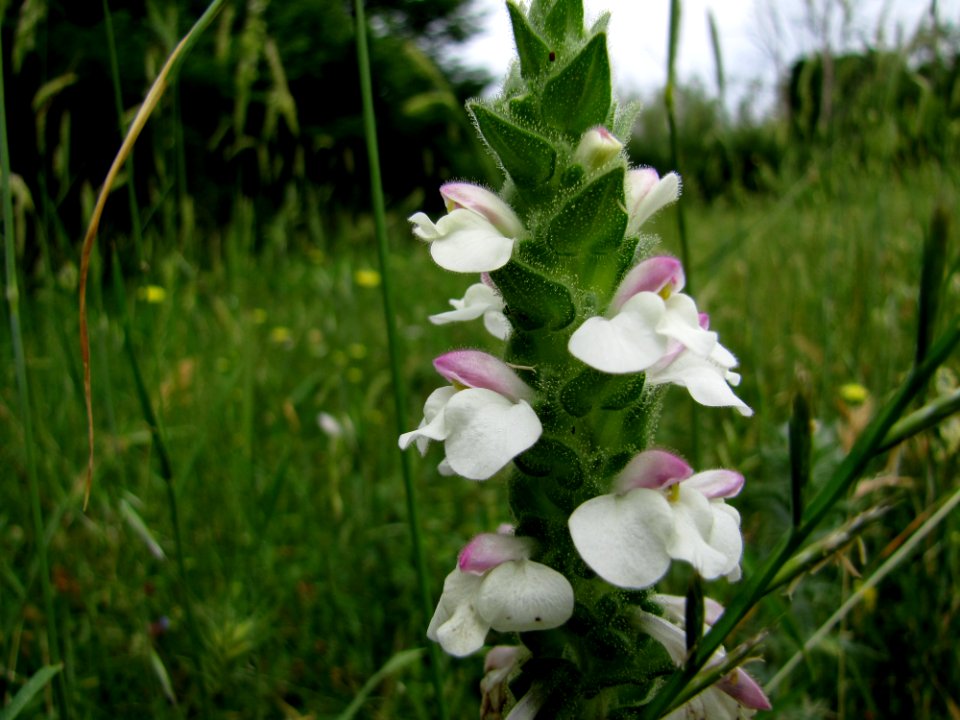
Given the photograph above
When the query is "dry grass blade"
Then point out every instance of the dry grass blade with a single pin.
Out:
(136, 127)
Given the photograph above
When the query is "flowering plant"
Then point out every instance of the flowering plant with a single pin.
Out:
(596, 329)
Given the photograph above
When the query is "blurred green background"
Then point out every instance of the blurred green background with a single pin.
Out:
(242, 240)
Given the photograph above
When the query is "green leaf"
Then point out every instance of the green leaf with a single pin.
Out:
(593, 221)
(528, 158)
(579, 96)
(34, 685)
(533, 51)
(533, 301)
(564, 20)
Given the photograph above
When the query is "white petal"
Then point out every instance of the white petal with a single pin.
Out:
(478, 300)
(704, 380)
(433, 426)
(463, 633)
(486, 431)
(456, 625)
(623, 537)
(423, 227)
(681, 321)
(666, 191)
(627, 343)
(713, 549)
(523, 595)
(469, 243)
(672, 637)
(496, 324)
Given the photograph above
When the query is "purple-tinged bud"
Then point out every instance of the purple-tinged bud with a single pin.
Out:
(745, 690)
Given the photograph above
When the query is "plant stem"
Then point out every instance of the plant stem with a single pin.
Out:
(399, 394)
(23, 387)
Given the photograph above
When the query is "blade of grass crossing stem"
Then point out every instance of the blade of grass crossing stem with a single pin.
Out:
(25, 694)
(399, 395)
(143, 114)
(931, 278)
(669, 102)
(868, 445)
(23, 390)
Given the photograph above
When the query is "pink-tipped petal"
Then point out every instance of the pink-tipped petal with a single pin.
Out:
(476, 369)
(716, 483)
(654, 469)
(745, 690)
(483, 202)
(488, 550)
(651, 275)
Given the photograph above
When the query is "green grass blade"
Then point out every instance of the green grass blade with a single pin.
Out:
(23, 388)
(393, 343)
(394, 665)
(34, 685)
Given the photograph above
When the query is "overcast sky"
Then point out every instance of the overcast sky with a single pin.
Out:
(754, 36)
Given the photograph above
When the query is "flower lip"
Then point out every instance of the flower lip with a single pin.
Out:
(654, 469)
(654, 275)
(477, 369)
(484, 203)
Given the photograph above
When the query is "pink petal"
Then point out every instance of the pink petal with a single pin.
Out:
(654, 469)
(488, 550)
(651, 275)
(716, 483)
(476, 369)
(485, 203)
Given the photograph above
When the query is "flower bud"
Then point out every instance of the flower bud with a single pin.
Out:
(596, 148)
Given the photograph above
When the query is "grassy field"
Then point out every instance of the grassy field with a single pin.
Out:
(269, 375)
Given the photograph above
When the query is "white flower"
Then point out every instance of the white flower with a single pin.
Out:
(659, 512)
(646, 193)
(484, 419)
(481, 299)
(654, 328)
(495, 585)
(477, 234)
(735, 696)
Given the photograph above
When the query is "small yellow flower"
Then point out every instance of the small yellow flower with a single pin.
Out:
(367, 278)
(280, 335)
(153, 294)
(854, 392)
(259, 316)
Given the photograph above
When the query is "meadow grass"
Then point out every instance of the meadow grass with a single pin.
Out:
(296, 551)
